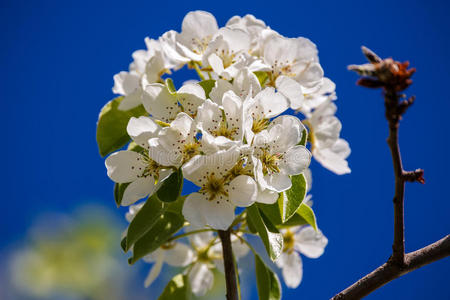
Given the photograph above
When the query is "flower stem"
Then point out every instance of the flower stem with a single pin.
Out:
(228, 261)
(199, 72)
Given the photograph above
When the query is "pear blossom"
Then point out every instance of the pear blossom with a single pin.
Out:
(197, 30)
(258, 111)
(223, 54)
(172, 253)
(278, 155)
(223, 187)
(208, 256)
(299, 240)
(252, 26)
(177, 143)
(244, 84)
(327, 147)
(165, 105)
(221, 127)
(138, 169)
(148, 67)
(229, 133)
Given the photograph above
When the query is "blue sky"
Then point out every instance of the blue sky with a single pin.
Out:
(57, 60)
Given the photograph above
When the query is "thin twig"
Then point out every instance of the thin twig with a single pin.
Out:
(394, 77)
(228, 261)
(390, 271)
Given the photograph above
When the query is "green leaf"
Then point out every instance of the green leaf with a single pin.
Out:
(177, 288)
(112, 126)
(272, 211)
(171, 187)
(144, 220)
(293, 197)
(304, 138)
(262, 77)
(165, 226)
(270, 236)
(295, 220)
(207, 85)
(119, 189)
(170, 86)
(308, 215)
(176, 206)
(269, 287)
(250, 225)
(123, 243)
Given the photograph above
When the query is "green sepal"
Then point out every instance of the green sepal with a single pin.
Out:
(170, 86)
(207, 86)
(262, 77)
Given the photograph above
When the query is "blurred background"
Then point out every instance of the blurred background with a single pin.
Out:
(60, 230)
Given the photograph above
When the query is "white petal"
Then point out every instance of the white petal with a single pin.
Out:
(202, 239)
(159, 102)
(124, 166)
(125, 83)
(245, 82)
(272, 103)
(138, 189)
(292, 270)
(295, 160)
(216, 63)
(131, 100)
(193, 209)
(289, 134)
(209, 116)
(278, 182)
(201, 279)
(220, 163)
(179, 256)
(199, 24)
(191, 96)
(267, 196)
(292, 90)
(220, 87)
(312, 75)
(331, 160)
(310, 243)
(156, 269)
(219, 213)
(243, 191)
(142, 129)
(162, 155)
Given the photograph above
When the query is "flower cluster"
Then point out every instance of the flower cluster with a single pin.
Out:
(232, 133)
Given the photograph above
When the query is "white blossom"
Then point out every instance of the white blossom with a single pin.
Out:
(208, 256)
(137, 169)
(299, 240)
(220, 189)
(327, 147)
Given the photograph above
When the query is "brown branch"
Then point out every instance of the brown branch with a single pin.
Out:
(394, 77)
(390, 271)
(228, 261)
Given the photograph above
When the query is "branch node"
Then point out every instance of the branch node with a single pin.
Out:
(413, 176)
